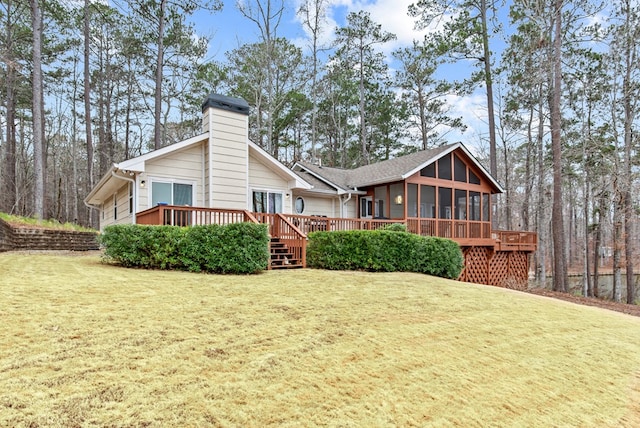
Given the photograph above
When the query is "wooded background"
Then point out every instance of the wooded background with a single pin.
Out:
(88, 84)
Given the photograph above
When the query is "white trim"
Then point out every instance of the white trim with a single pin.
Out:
(339, 190)
(152, 179)
(295, 203)
(249, 196)
(138, 163)
(295, 180)
(451, 150)
(203, 171)
(280, 192)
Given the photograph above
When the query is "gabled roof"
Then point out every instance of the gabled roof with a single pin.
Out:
(298, 182)
(396, 169)
(137, 164)
(112, 180)
(324, 178)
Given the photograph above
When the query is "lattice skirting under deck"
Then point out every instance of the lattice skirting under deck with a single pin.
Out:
(508, 269)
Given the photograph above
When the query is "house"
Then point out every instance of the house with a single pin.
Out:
(220, 176)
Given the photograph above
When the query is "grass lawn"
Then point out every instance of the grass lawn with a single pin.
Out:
(87, 344)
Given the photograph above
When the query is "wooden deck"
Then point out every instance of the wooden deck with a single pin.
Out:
(292, 228)
(494, 257)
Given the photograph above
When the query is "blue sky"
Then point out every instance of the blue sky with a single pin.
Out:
(228, 29)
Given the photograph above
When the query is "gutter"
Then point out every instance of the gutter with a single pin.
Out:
(344, 203)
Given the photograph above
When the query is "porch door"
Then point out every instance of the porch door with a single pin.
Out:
(366, 207)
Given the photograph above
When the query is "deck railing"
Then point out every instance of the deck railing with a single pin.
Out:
(191, 216)
(288, 233)
(452, 229)
(292, 228)
(507, 240)
(309, 224)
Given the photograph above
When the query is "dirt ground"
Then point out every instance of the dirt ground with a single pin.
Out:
(600, 303)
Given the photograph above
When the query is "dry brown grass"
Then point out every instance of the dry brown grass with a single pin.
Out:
(87, 344)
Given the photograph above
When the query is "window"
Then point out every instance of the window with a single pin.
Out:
(474, 206)
(461, 204)
(485, 207)
(429, 171)
(380, 208)
(380, 194)
(427, 202)
(130, 198)
(412, 200)
(473, 179)
(444, 201)
(366, 207)
(267, 202)
(444, 167)
(171, 193)
(115, 207)
(299, 205)
(396, 205)
(459, 170)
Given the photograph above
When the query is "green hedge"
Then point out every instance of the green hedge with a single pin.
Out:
(237, 248)
(384, 251)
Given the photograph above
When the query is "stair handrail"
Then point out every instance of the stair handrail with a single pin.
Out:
(250, 217)
(295, 228)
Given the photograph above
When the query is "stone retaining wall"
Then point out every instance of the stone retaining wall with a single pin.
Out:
(6, 236)
(12, 238)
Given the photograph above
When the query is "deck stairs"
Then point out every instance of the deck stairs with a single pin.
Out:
(282, 257)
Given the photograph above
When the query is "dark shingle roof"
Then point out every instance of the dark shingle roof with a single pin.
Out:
(317, 183)
(385, 171)
(395, 169)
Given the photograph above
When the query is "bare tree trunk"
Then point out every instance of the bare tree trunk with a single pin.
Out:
(74, 150)
(617, 255)
(588, 286)
(542, 219)
(528, 176)
(557, 218)
(596, 249)
(157, 126)
(38, 104)
(507, 183)
(87, 103)
(629, 112)
(488, 79)
(9, 193)
(363, 123)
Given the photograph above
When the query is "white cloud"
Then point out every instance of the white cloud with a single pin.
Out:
(391, 14)
(473, 110)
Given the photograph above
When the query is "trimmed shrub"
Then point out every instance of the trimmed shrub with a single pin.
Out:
(239, 248)
(384, 251)
(396, 227)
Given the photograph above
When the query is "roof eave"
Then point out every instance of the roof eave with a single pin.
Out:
(487, 174)
(338, 188)
(298, 182)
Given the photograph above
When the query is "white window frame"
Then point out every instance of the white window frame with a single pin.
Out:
(366, 203)
(172, 181)
(270, 191)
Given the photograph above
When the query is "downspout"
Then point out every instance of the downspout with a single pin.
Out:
(344, 203)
